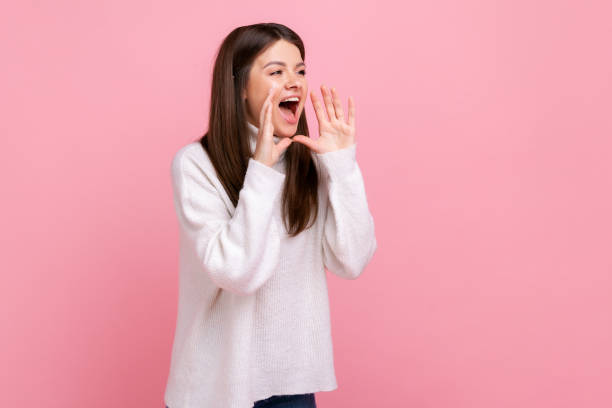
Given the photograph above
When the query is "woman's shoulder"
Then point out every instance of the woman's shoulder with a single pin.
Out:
(191, 151)
(191, 160)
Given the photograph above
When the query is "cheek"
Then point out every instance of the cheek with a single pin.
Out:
(257, 94)
(255, 107)
(250, 107)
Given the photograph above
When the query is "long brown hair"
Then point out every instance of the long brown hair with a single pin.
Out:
(227, 139)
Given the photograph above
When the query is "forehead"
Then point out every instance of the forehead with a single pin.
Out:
(281, 51)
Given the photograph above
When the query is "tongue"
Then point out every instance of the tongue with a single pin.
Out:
(287, 113)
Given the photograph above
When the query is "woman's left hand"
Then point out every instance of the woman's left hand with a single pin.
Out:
(336, 132)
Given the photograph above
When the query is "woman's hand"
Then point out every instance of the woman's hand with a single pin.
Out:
(337, 132)
(266, 151)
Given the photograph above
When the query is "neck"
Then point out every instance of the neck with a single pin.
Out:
(253, 131)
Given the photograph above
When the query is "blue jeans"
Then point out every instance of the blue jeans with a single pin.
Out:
(287, 401)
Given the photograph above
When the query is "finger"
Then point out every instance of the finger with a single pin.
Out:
(337, 105)
(263, 111)
(263, 115)
(316, 104)
(273, 97)
(307, 141)
(268, 128)
(264, 107)
(351, 115)
(283, 144)
(328, 103)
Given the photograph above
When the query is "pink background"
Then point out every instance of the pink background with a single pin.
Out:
(484, 135)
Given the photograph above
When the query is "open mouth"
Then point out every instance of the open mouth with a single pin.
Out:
(288, 110)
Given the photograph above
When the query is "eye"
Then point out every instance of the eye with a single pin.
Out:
(302, 72)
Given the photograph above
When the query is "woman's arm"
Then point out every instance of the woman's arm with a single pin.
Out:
(349, 241)
(239, 253)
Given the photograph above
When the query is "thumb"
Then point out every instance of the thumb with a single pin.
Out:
(305, 140)
(283, 144)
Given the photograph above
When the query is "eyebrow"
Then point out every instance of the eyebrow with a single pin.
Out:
(283, 64)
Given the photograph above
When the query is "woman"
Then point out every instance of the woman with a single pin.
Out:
(263, 209)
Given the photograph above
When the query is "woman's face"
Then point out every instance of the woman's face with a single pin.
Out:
(281, 65)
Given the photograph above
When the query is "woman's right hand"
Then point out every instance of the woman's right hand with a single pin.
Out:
(266, 151)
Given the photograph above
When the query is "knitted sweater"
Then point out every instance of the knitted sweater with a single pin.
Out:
(253, 309)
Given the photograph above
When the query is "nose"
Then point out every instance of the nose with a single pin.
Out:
(294, 81)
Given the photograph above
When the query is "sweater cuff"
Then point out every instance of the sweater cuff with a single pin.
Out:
(339, 163)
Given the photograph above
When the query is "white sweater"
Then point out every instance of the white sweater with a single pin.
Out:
(253, 309)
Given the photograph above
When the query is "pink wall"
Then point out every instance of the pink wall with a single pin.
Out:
(485, 137)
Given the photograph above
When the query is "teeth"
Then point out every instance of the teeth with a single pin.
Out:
(293, 99)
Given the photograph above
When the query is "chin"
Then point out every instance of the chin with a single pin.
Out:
(285, 130)
(282, 128)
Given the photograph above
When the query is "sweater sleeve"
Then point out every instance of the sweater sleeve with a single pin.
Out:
(349, 241)
(238, 252)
